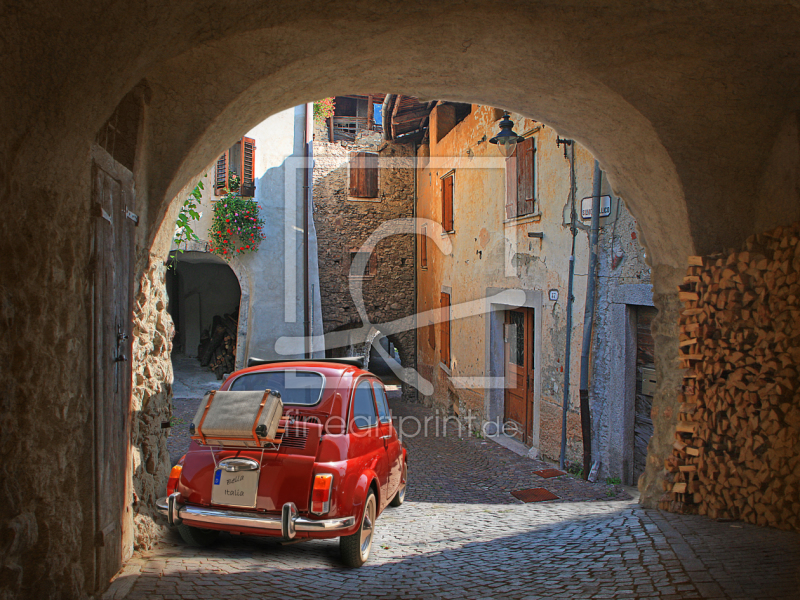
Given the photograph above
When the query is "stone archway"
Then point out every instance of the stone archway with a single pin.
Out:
(659, 95)
(244, 277)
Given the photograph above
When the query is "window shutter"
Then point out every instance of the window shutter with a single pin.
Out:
(511, 186)
(248, 167)
(447, 203)
(221, 175)
(525, 188)
(423, 248)
(364, 175)
(370, 175)
(445, 328)
(373, 263)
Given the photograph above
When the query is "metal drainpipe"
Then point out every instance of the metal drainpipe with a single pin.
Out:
(588, 322)
(307, 151)
(574, 229)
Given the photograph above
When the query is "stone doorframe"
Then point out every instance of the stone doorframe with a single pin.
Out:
(245, 285)
(621, 415)
(494, 359)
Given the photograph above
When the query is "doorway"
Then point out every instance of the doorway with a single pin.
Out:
(519, 340)
(645, 387)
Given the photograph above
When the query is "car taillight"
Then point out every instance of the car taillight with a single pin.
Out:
(174, 476)
(321, 494)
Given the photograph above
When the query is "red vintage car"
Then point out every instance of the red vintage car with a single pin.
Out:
(336, 462)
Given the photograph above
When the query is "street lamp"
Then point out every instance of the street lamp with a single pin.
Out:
(507, 139)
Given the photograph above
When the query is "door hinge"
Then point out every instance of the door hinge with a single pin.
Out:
(132, 216)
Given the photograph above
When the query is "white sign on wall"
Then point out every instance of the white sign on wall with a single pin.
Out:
(586, 207)
(553, 295)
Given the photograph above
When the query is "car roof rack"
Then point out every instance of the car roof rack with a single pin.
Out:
(353, 361)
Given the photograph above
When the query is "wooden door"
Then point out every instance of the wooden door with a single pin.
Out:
(519, 338)
(113, 205)
(645, 388)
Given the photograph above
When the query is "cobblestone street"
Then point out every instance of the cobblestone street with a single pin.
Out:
(461, 534)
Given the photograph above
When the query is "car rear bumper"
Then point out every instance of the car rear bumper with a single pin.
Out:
(288, 523)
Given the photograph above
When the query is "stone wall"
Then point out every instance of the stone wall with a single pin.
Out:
(151, 402)
(344, 223)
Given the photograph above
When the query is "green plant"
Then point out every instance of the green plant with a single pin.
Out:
(187, 216)
(613, 480)
(576, 470)
(236, 227)
(323, 109)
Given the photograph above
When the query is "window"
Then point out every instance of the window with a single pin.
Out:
(364, 415)
(521, 180)
(445, 329)
(383, 405)
(363, 174)
(239, 160)
(296, 387)
(362, 264)
(447, 202)
(423, 248)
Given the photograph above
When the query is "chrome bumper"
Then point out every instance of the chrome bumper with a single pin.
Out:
(288, 523)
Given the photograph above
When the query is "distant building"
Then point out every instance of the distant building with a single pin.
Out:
(508, 224)
(274, 292)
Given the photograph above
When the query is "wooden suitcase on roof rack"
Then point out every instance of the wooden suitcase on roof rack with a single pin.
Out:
(238, 419)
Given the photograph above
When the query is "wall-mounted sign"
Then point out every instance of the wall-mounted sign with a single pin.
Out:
(586, 207)
(553, 295)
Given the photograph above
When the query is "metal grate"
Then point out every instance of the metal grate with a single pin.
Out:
(548, 473)
(534, 495)
(294, 437)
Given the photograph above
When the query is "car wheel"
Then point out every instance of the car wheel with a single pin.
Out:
(355, 548)
(197, 537)
(400, 496)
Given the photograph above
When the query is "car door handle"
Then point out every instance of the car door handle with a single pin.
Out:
(386, 437)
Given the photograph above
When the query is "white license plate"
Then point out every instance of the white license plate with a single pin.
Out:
(235, 489)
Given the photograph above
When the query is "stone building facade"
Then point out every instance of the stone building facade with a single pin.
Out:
(344, 222)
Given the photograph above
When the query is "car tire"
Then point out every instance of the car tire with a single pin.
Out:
(355, 548)
(400, 496)
(198, 537)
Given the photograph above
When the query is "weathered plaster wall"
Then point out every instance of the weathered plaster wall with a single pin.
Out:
(344, 223)
(622, 284)
(490, 251)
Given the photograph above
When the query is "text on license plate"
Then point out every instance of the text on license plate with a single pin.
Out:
(235, 489)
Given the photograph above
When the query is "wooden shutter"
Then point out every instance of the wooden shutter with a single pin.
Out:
(445, 328)
(364, 175)
(248, 167)
(423, 248)
(511, 186)
(373, 263)
(525, 176)
(447, 203)
(221, 175)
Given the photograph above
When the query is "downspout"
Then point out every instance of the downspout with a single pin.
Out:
(573, 227)
(386, 116)
(308, 130)
(588, 321)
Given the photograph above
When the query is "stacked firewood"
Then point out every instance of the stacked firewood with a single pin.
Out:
(737, 448)
(217, 349)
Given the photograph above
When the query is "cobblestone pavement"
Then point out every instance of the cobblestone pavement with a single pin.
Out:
(461, 534)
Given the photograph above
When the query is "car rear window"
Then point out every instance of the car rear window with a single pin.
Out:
(295, 387)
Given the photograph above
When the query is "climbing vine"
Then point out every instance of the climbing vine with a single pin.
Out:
(237, 226)
(184, 232)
